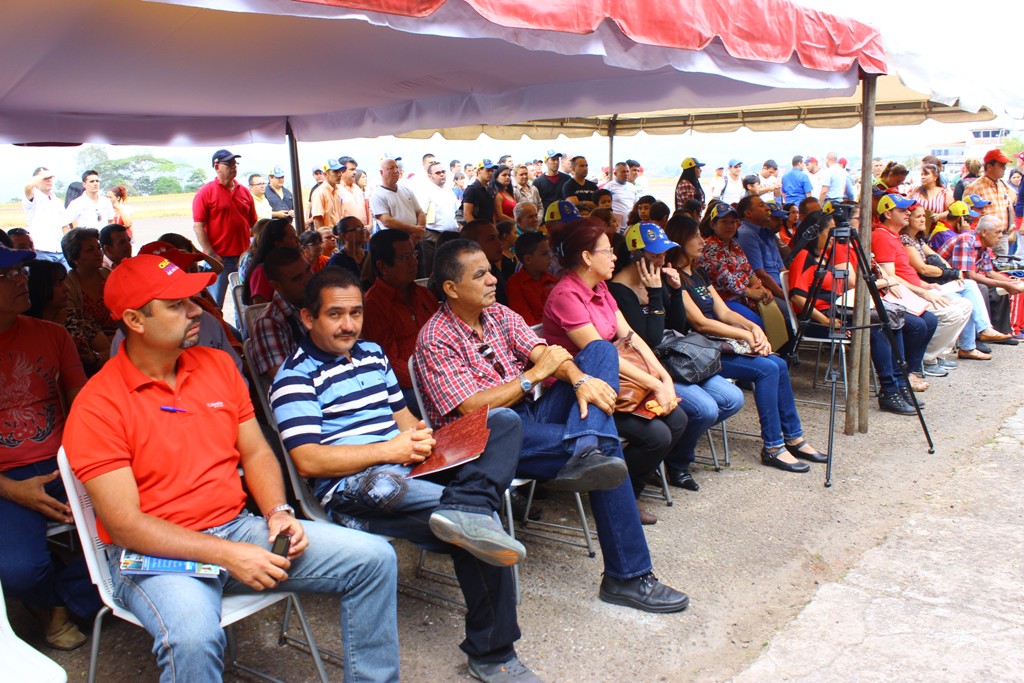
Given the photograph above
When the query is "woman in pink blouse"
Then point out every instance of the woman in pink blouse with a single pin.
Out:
(725, 263)
(580, 310)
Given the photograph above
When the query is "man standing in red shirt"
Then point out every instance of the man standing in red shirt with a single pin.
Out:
(224, 213)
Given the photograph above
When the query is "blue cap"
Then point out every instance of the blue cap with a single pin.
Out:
(13, 257)
(333, 165)
(561, 211)
(318, 169)
(735, 162)
(721, 210)
(487, 163)
(777, 211)
(552, 153)
(277, 172)
(975, 201)
(649, 237)
(690, 162)
(224, 155)
(894, 201)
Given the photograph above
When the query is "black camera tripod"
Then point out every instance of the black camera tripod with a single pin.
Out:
(843, 234)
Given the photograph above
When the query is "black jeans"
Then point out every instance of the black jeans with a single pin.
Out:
(649, 442)
(380, 500)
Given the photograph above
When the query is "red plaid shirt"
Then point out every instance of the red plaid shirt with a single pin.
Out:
(966, 253)
(451, 366)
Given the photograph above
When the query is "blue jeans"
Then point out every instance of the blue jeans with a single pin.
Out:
(714, 400)
(182, 613)
(773, 394)
(550, 429)
(219, 289)
(979, 321)
(381, 500)
(745, 311)
(28, 571)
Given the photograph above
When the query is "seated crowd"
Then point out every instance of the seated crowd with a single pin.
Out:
(387, 314)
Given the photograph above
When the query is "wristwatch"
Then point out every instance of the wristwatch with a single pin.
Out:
(526, 384)
(579, 383)
(280, 508)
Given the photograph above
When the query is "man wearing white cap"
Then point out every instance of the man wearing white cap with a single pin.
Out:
(45, 213)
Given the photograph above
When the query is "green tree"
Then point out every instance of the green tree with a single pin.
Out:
(166, 185)
(90, 157)
(1013, 145)
(196, 180)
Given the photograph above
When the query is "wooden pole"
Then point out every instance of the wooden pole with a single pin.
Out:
(293, 157)
(860, 372)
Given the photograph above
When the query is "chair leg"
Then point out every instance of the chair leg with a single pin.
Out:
(663, 475)
(585, 526)
(313, 649)
(97, 632)
(725, 443)
(714, 452)
(510, 522)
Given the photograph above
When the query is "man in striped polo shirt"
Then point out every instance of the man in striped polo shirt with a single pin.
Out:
(344, 421)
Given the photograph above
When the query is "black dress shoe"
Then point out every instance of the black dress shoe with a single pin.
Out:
(682, 479)
(771, 459)
(1006, 342)
(794, 450)
(644, 593)
(590, 470)
(894, 403)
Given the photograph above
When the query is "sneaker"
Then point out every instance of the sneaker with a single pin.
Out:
(934, 370)
(512, 670)
(948, 364)
(893, 402)
(590, 470)
(478, 534)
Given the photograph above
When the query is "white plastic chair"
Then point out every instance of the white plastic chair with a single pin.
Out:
(22, 662)
(249, 316)
(234, 279)
(234, 608)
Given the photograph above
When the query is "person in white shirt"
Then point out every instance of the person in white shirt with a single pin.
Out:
(815, 174)
(44, 213)
(733, 190)
(441, 205)
(92, 209)
(771, 184)
(623, 192)
(395, 206)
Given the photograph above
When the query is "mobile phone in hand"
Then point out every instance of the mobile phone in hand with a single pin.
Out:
(281, 545)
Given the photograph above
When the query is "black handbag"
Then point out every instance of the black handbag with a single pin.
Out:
(690, 358)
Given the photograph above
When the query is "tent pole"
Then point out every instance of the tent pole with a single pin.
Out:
(612, 125)
(857, 418)
(293, 158)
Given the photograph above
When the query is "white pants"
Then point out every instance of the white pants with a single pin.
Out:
(952, 320)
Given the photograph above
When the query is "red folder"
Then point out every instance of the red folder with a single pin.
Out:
(457, 442)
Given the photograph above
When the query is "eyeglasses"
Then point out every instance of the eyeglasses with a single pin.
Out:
(12, 274)
(257, 185)
(487, 352)
(351, 230)
(607, 251)
(229, 164)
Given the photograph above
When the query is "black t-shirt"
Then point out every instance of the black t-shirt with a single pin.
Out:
(482, 200)
(583, 193)
(551, 191)
(699, 287)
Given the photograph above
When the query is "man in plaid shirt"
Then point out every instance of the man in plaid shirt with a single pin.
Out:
(278, 330)
(991, 187)
(474, 351)
(971, 253)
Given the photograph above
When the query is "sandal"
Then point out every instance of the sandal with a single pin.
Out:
(917, 383)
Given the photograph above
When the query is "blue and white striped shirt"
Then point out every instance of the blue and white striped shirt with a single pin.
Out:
(320, 398)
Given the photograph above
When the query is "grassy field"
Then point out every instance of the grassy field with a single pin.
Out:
(160, 206)
(180, 205)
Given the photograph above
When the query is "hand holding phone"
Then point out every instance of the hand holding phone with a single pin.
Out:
(282, 544)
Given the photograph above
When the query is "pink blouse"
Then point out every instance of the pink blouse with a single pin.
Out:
(572, 304)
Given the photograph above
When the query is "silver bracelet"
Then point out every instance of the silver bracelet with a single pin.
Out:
(285, 507)
(579, 383)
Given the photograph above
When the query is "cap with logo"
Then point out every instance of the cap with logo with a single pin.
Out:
(486, 163)
(721, 210)
(894, 201)
(690, 162)
(178, 257)
(14, 257)
(975, 201)
(649, 237)
(276, 172)
(138, 280)
(561, 211)
(735, 162)
(961, 210)
(552, 153)
(777, 211)
(222, 155)
(334, 165)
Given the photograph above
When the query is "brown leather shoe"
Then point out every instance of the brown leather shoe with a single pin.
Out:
(646, 518)
(973, 354)
(60, 632)
(993, 337)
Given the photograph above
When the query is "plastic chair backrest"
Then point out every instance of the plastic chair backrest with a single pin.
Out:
(416, 390)
(250, 314)
(93, 548)
(234, 279)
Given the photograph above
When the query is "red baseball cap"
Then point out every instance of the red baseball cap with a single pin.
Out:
(1019, 155)
(996, 155)
(178, 257)
(138, 280)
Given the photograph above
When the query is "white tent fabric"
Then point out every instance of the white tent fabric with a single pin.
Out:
(132, 72)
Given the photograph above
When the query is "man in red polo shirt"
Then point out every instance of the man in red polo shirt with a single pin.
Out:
(224, 213)
(158, 437)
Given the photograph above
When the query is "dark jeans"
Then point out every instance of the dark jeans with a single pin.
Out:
(380, 500)
(550, 429)
(882, 355)
(917, 332)
(28, 571)
(220, 286)
(649, 442)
